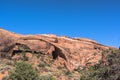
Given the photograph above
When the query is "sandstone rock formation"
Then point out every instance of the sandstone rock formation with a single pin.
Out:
(72, 52)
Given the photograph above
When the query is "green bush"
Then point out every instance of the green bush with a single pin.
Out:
(47, 77)
(67, 72)
(25, 58)
(23, 71)
(41, 64)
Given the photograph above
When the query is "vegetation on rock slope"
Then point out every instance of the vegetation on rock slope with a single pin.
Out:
(50, 56)
(23, 71)
(107, 69)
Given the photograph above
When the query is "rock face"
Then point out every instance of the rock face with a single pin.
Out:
(72, 52)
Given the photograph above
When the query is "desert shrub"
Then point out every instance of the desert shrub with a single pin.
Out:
(108, 70)
(38, 55)
(25, 58)
(68, 73)
(59, 67)
(77, 69)
(44, 64)
(5, 77)
(47, 77)
(92, 73)
(41, 64)
(23, 71)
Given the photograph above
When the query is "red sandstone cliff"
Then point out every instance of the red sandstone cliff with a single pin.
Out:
(71, 52)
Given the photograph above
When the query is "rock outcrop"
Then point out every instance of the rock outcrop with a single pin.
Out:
(72, 52)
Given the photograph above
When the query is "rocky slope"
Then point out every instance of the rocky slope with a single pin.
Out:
(73, 52)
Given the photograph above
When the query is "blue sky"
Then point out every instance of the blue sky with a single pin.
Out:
(94, 19)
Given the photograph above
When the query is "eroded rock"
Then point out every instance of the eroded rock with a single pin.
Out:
(73, 52)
